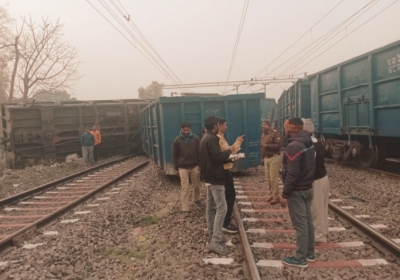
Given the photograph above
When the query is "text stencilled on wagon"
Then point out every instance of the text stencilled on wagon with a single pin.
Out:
(393, 64)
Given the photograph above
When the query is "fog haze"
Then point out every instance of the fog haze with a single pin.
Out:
(196, 39)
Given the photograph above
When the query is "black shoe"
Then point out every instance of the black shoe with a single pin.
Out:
(231, 229)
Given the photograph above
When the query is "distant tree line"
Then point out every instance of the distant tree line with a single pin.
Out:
(34, 59)
(153, 91)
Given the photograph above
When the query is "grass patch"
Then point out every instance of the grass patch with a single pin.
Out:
(146, 220)
(126, 255)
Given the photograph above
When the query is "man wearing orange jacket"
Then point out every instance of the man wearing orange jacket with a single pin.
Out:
(97, 141)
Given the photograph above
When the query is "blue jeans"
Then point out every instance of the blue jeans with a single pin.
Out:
(299, 204)
(216, 210)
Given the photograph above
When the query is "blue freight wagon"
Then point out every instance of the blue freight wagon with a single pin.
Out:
(160, 124)
(356, 106)
(294, 102)
(268, 108)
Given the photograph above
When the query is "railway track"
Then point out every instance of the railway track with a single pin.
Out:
(23, 214)
(266, 234)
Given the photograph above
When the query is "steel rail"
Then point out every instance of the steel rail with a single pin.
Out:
(40, 188)
(249, 254)
(33, 227)
(378, 240)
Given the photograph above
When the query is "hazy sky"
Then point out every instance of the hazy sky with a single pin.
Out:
(196, 39)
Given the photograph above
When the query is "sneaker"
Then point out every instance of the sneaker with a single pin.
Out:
(292, 261)
(218, 248)
(311, 258)
(230, 229)
(269, 198)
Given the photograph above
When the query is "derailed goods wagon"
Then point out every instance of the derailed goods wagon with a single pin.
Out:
(54, 129)
(160, 123)
(356, 106)
(294, 102)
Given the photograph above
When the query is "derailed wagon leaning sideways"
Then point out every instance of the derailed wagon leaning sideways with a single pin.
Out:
(355, 106)
(160, 123)
(54, 129)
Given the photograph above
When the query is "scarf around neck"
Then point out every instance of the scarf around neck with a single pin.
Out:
(186, 138)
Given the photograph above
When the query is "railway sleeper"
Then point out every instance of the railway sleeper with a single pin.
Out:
(19, 240)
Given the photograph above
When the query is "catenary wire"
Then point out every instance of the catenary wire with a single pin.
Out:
(300, 37)
(351, 32)
(171, 78)
(143, 37)
(321, 43)
(323, 36)
(239, 33)
(116, 28)
(387, 7)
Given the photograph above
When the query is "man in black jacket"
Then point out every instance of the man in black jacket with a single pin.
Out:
(185, 156)
(298, 177)
(212, 170)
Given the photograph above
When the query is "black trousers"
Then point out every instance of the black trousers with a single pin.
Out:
(230, 196)
(95, 152)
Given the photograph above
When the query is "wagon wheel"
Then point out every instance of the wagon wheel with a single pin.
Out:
(368, 157)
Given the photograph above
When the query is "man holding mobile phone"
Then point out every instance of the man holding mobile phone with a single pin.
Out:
(230, 193)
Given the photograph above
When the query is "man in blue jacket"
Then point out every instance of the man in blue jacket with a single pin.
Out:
(87, 141)
(212, 169)
(298, 176)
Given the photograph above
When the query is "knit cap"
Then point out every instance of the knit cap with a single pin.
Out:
(308, 125)
(292, 127)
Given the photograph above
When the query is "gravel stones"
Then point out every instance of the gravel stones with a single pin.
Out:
(136, 234)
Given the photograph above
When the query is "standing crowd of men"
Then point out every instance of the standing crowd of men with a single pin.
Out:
(302, 170)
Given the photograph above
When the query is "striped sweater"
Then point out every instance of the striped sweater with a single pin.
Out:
(298, 165)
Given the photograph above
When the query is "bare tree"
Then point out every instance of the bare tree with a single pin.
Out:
(43, 61)
(5, 52)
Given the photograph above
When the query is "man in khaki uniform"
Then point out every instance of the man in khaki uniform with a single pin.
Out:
(271, 153)
(230, 194)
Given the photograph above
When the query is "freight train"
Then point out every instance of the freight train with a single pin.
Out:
(160, 123)
(54, 129)
(355, 106)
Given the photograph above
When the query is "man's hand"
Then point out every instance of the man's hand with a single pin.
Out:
(240, 139)
(283, 202)
(263, 145)
(177, 172)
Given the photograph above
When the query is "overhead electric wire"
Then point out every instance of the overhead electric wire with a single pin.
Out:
(142, 36)
(323, 37)
(351, 32)
(239, 33)
(387, 7)
(323, 41)
(116, 28)
(133, 36)
(300, 37)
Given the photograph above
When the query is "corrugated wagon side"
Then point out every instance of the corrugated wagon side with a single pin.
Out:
(268, 109)
(54, 130)
(161, 120)
(294, 102)
(356, 106)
